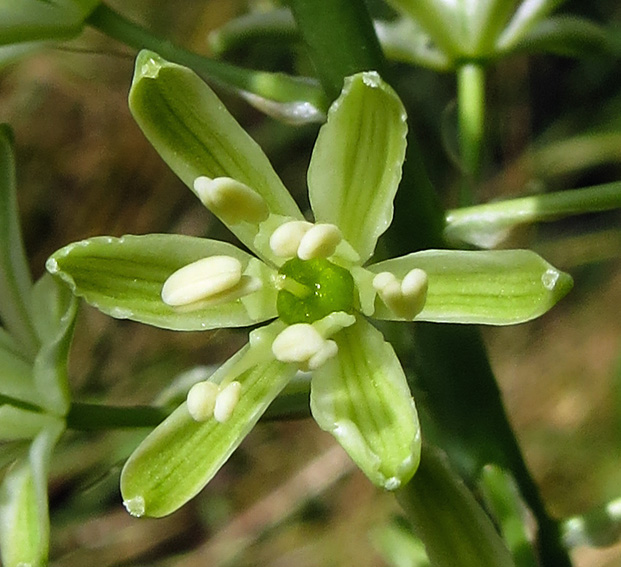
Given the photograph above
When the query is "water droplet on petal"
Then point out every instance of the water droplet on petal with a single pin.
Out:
(549, 279)
(135, 506)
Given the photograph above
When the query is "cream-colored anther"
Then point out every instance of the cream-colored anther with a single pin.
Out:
(226, 401)
(303, 344)
(319, 242)
(201, 400)
(285, 240)
(387, 285)
(328, 350)
(231, 200)
(404, 298)
(415, 284)
(202, 279)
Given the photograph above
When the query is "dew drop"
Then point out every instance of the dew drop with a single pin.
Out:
(52, 265)
(549, 279)
(392, 483)
(135, 506)
(371, 79)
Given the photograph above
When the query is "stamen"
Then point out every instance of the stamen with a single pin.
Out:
(201, 279)
(285, 240)
(319, 242)
(226, 401)
(231, 200)
(301, 343)
(201, 400)
(406, 298)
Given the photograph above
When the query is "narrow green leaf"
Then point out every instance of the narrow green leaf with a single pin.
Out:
(355, 168)
(55, 308)
(447, 518)
(361, 396)
(15, 281)
(24, 521)
(123, 277)
(196, 136)
(498, 287)
(182, 455)
(486, 225)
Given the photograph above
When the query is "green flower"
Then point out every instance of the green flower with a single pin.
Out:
(444, 35)
(310, 279)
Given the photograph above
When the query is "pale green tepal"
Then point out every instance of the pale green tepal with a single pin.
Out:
(309, 277)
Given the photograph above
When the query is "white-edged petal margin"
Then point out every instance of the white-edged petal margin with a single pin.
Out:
(361, 396)
(355, 168)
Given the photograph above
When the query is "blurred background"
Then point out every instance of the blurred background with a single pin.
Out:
(289, 496)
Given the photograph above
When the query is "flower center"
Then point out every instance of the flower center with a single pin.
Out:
(312, 289)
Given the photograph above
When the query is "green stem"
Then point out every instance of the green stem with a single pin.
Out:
(292, 403)
(96, 417)
(273, 86)
(342, 38)
(471, 118)
(502, 215)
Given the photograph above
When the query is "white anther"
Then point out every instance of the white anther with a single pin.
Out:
(285, 240)
(415, 283)
(387, 284)
(406, 298)
(231, 200)
(202, 279)
(327, 351)
(303, 344)
(226, 401)
(201, 400)
(319, 242)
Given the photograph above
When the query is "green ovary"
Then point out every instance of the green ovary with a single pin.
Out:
(312, 289)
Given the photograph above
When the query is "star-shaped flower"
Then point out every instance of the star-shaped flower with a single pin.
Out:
(311, 279)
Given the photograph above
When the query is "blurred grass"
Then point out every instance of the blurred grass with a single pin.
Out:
(85, 169)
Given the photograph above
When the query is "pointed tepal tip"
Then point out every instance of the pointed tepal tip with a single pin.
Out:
(148, 65)
(558, 283)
